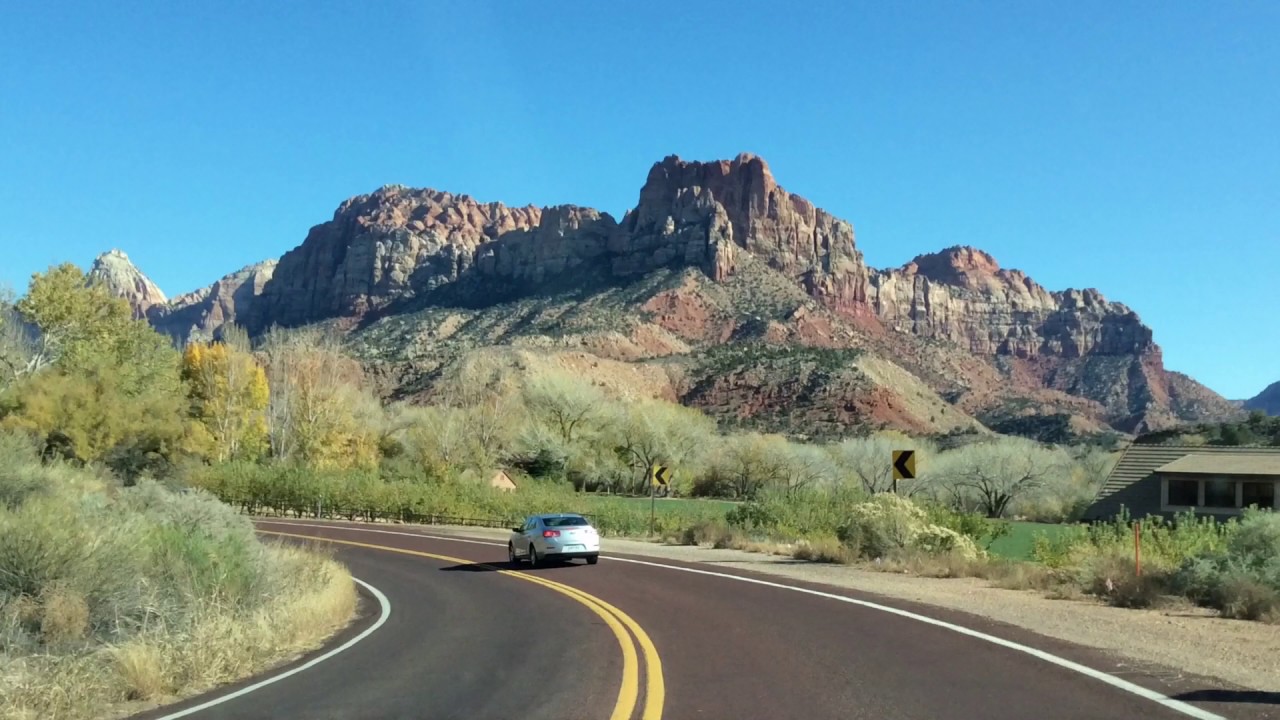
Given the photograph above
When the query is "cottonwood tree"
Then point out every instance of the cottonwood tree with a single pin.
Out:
(568, 405)
(229, 398)
(869, 460)
(991, 476)
(320, 411)
(655, 432)
(111, 390)
(436, 439)
(804, 466)
(751, 462)
(18, 344)
(74, 318)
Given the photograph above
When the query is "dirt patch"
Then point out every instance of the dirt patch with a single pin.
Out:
(685, 313)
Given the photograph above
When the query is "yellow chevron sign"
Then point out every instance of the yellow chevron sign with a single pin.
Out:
(661, 475)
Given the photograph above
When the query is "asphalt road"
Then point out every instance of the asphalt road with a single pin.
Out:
(468, 637)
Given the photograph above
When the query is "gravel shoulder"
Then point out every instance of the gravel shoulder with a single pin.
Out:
(1240, 653)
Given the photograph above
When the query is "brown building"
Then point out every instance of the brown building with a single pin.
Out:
(502, 481)
(1169, 479)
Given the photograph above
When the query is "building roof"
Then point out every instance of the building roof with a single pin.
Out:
(1139, 461)
(1199, 463)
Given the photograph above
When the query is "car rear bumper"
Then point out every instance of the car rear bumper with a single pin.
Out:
(571, 554)
(570, 549)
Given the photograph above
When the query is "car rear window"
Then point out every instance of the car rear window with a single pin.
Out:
(563, 521)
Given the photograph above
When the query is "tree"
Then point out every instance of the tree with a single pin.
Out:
(752, 462)
(73, 318)
(229, 397)
(654, 432)
(804, 466)
(870, 461)
(568, 405)
(112, 391)
(18, 356)
(319, 411)
(991, 476)
(94, 417)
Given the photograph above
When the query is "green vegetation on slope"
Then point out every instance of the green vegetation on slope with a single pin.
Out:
(1257, 429)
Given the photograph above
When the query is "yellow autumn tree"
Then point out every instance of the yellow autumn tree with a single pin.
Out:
(229, 396)
(321, 411)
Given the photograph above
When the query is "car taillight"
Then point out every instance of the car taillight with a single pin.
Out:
(550, 533)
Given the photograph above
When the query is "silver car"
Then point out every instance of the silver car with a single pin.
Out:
(559, 536)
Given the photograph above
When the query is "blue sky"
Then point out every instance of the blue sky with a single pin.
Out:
(1131, 147)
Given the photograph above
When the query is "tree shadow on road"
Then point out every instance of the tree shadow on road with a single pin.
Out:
(1256, 697)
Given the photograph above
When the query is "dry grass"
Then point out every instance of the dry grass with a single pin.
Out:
(719, 536)
(824, 551)
(64, 616)
(316, 598)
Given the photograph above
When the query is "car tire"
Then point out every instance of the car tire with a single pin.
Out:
(511, 555)
(533, 556)
(593, 559)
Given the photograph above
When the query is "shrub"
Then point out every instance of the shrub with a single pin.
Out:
(110, 594)
(825, 551)
(1242, 579)
(1114, 578)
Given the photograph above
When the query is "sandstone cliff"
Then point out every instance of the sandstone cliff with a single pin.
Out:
(380, 248)
(114, 269)
(990, 339)
(199, 315)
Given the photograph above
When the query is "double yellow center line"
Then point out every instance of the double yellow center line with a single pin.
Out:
(627, 631)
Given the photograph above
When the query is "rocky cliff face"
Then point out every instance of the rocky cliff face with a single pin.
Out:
(117, 272)
(963, 296)
(379, 248)
(396, 245)
(197, 315)
(201, 314)
(1268, 401)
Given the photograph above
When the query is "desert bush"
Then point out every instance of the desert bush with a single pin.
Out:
(825, 550)
(1114, 578)
(1241, 578)
(889, 524)
(111, 594)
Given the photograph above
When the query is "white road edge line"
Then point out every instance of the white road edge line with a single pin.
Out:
(385, 606)
(1116, 682)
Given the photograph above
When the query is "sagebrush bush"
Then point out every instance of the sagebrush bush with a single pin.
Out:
(889, 524)
(1242, 578)
(109, 594)
(1114, 578)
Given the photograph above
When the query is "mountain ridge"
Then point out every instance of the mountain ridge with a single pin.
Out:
(1268, 401)
(991, 339)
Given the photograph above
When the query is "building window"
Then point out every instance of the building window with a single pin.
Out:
(1219, 494)
(1185, 493)
(1262, 494)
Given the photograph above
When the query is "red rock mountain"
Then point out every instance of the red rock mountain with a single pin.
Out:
(968, 328)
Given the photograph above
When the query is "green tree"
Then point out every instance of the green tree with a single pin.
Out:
(113, 392)
(92, 416)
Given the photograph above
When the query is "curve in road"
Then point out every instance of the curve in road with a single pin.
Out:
(733, 645)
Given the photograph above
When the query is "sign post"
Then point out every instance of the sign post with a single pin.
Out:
(658, 475)
(1137, 548)
(904, 466)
